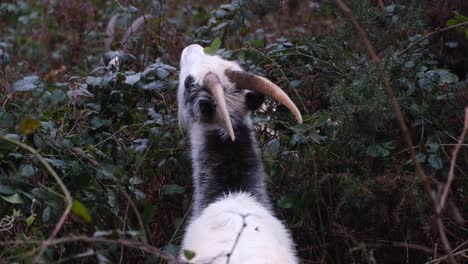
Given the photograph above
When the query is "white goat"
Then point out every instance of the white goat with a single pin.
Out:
(232, 219)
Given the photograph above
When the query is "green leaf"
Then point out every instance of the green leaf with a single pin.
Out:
(14, 199)
(189, 254)
(162, 73)
(390, 145)
(27, 170)
(133, 78)
(28, 83)
(377, 151)
(286, 202)
(97, 122)
(433, 147)
(6, 119)
(80, 210)
(421, 157)
(46, 214)
(94, 81)
(57, 97)
(4, 189)
(273, 147)
(149, 211)
(435, 162)
(301, 128)
(257, 43)
(30, 219)
(172, 189)
(215, 45)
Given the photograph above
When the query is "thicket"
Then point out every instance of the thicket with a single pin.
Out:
(104, 122)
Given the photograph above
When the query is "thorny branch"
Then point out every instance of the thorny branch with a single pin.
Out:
(438, 204)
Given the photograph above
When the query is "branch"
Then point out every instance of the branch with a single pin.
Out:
(401, 120)
(74, 238)
(68, 198)
(453, 162)
(438, 30)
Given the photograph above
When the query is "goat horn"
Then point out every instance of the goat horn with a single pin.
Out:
(213, 83)
(248, 81)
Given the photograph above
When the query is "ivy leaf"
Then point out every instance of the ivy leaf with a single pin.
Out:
(46, 214)
(273, 147)
(421, 157)
(377, 151)
(133, 78)
(286, 202)
(162, 73)
(189, 254)
(30, 219)
(257, 43)
(80, 210)
(435, 162)
(172, 189)
(28, 83)
(14, 199)
(215, 45)
(27, 171)
(94, 81)
(6, 189)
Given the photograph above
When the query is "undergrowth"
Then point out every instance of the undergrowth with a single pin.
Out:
(342, 180)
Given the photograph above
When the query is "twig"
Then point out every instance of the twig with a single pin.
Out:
(401, 244)
(453, 162)
(73, 238)
(401, 120)
(137, 214)
(438, 30)
(68, 198)
(438, 260)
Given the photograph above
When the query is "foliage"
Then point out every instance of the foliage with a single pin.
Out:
(106, 122)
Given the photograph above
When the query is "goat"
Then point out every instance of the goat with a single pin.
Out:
(232, 218)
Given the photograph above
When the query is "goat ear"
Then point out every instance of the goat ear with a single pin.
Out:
(254, 100)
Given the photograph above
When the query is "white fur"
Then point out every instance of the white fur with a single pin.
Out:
(195, 62)
(264, 239)
(212, 232)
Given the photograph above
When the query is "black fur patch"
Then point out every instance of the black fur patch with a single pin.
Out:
(254, 100)
(230, 167)
(198, 100)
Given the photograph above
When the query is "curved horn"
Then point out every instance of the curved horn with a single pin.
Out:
(248, 81)
(213, 83)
